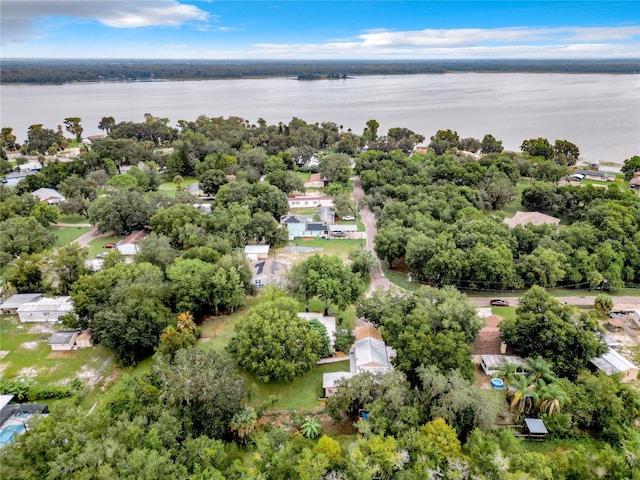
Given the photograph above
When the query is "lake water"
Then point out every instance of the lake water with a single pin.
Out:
(599, 113)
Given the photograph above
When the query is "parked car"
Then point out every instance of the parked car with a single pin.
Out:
(348, 218)
(109, 245)
(499, 303)
(339, 234)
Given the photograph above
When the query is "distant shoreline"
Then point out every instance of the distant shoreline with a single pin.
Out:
(43, 72)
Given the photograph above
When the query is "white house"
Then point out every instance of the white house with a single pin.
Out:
(305, 201)
(48, 195)
(30, 167)
(256, 252)
(612, 362)
(63, 341)
(129, 245)
(45, 309)
(330, 381)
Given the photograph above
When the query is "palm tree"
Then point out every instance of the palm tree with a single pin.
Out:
(540, 371)
(507, 372)
(552, 397)
(523, 396)
(244, 422)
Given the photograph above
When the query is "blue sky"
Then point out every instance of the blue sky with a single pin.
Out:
(344, 29)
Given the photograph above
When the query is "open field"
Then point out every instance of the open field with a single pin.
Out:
(169, 188)
(302, 393)
(29, 355)
(68, 234)
(340, 247)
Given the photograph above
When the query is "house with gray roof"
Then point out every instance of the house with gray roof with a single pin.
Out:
(612, 362)
(10, 306)
(48, 195)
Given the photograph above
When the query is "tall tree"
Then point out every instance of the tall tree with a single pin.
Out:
(325, 276)
(74, 127)
(545, 327)
(275, 344)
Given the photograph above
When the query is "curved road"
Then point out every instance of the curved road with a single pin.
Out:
(378, 280)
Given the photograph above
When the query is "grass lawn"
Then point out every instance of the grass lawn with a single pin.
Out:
(306, 211)
(340, 247)
(504, 312)
(31, 356)
(400, 279)
(302, 393)
(304, 176)
(170, 188)
(68, 234)
(95, 245)
(73, 219)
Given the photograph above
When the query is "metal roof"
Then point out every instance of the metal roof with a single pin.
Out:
(371, 352)
(4, 400)
(330, 379)
(62, 338)
(14, 301)
(256, 249)
(612, 362)
(61, 304)
(497, 361)
(316, 226)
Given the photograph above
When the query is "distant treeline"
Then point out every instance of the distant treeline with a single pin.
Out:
(63, 71)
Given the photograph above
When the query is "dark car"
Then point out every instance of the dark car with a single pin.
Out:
(109, 245)
(499, 303)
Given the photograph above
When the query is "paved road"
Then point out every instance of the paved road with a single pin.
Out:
(585, 301)
(378, 280)
(90, 235)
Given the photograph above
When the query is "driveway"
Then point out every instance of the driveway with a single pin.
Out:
(378, 280)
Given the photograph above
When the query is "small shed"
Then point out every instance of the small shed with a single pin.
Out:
(63, 341)
(85, 339)
(45, 309)
(10, 307)
(536, 429)
(330, 381)
(329, 323)
(491, 364)
(612, 362)
(256, 252)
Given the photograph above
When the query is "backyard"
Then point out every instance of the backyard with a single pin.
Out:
(26, 354)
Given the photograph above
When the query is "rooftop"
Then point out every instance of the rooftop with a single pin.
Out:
(612, 362)
(536, 426)
(62, 338)
(46, 304)
(330, 379)
(534, 218)
(14, 301)
(256, 249)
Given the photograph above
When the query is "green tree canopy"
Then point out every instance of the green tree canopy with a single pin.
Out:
(275, 344)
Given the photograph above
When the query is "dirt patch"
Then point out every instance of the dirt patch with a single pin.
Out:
(27, 372)
(4, 353)
(42, 328)
(62, 354)
(112, 377)
(30, 345)
(87, 374)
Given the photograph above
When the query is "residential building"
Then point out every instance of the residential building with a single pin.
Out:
(305, 201)
(48, 195)
(534, 218)
(45, 309)
(612, 362)
(596, 175)
(329, 323)
(268, 272)
(315, 229)
(295, 225)
(14, 418)
(11, 305)
(129, 245)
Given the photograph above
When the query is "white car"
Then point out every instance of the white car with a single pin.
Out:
(348, 218)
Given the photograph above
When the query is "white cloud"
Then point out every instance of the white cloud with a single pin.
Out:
(513, 42)
(19, 17)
